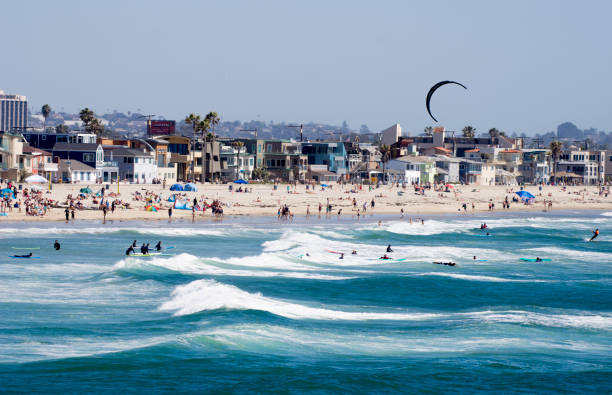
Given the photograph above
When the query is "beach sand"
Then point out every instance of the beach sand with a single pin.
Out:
(264, 200)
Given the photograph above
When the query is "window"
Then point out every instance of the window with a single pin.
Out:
(269, 148)
(88, 157)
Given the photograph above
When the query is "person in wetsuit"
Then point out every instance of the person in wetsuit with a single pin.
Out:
(129, 250)
(56, 245)
(595, 234)
(23, 256)
(134, 244)
(389, 248)
(158, 246)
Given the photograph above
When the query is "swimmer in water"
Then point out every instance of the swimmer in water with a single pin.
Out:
(341, 255)
(56, 245)
(354, 252)
(389, 248)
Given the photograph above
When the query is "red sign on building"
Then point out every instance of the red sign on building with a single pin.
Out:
(161, 128)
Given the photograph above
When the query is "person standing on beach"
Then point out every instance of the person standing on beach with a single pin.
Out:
(170, 214)
(67, 214)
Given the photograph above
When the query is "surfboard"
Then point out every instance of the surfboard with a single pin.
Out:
(534, 260)
(26, 248)
(24, 257)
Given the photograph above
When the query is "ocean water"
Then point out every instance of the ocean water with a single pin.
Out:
(257, 305)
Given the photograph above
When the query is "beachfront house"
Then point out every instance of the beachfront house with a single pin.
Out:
(90, 154)
(74, 171)
(331, 155)
(575, 165)
(447, 169)
(208, 168)
(135, 165)
(179, 148)
(11, 149)
(412, 169)
(233, 167)
(39, 162)
(535, 167)
(46, 141)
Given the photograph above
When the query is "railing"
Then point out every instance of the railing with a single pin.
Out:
(110, 164)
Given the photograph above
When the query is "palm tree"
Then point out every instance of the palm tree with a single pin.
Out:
(61, 128)
(428, 131)
(96, 127)
(469, 131)
(194, 120)
(493, 133)
(555, 150)
(203, 127)
(385, 152)
(87, 116)
(46, 111)
(238, 145)
(213, 119)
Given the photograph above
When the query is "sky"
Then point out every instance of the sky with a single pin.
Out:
(528, 65)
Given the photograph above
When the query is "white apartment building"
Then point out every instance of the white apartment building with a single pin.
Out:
(13, 112)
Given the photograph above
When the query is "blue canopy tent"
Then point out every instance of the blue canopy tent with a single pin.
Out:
(241, 181)
(181, 206)
(172, 198)
(190, 187)
(524, 195)
(7, 192)
(177, 187)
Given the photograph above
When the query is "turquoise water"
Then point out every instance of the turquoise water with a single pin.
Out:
(240, 307)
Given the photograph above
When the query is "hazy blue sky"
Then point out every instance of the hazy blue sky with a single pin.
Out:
(529, 65)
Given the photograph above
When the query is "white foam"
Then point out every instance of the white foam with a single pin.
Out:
(482, 278)
(586, 320)
(607, 214)
(202, 295)
(12, 232)
(190, 264)
(565, 254)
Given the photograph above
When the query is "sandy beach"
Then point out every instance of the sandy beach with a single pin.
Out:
(265, 200)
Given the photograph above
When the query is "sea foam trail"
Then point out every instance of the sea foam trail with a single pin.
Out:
(12, 232)
(203, 295)
(481, 278)
(190, 264)
(586, 320)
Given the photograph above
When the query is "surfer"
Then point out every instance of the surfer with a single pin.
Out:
(389, 248)
(538, 259)
(474, 257)
(56, 245)
(134, 244)
(354, 252)
(341, 255)
(385, 257)
(595, 234)
(143, 249)
(129, 250)
(23, 256)
(158, 246)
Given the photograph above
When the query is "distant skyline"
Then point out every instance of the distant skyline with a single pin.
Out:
(528, 66)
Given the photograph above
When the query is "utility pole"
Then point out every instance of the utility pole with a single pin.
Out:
(301, 126)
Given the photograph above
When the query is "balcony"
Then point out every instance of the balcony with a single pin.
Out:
(178, 158)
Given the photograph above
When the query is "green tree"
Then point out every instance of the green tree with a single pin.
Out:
(261, 173)
(493, 133)
(238, 145)
(86, 116)
(61, 128)
(469, 131)
(213, 120)
(385, 155)
(193, 120)
(46, 111)
(555, 150)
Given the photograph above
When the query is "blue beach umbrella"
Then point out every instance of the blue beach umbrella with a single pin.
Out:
(7, 192)
(525, 195)
(241, 181)
(190, 187)
(176, 187)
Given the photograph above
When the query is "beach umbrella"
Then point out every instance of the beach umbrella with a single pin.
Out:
(524, 195)
(152, 208)
(172, 198)
(323, 185)
(241, 181)
(190, 187)
(85, 190)
(177, 187)
(36, 179)
(450, 186)
(7, 192)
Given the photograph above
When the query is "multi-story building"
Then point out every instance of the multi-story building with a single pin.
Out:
(584, 167)
(13, 112)
(179, 149)
(447, 168)
(135, 165)
(332, 155)
(91, 155)
(37, 161)
(236, 165)
(46, 141)
(11, 149)
(412, 169)
(210, 167)
(535, 168)
(608, 167)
